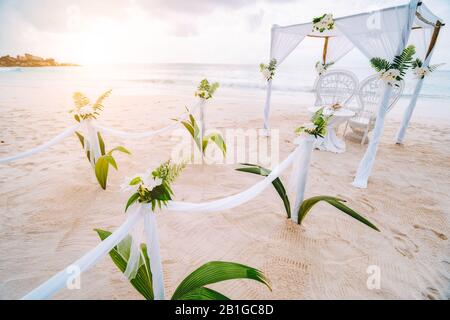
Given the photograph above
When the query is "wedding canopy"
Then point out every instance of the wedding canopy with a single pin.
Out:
(383, 33)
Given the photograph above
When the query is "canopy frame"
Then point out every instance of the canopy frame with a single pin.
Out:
(289, 37)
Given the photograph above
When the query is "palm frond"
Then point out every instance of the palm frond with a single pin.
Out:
(404, 61)
(380, 64)
(308, 204)
(80, 100)
(98, 105)
(277, 184)
(213, 272)
(143, 280)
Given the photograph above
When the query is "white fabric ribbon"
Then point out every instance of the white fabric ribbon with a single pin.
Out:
(147, 134)
(52, 142)
(300, 169)
(91, 141)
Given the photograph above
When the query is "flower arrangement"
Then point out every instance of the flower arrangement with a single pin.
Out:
(324, 22)
(85, 111)
(318, 125)
(206, 90)
(420, 71)
(321, 68)
(153, 186)
(194, 286)
(392, 73)
(268, 71)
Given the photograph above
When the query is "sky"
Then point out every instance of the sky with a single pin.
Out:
(172, 31)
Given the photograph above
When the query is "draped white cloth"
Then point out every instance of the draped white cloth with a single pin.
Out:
(147, 134)
(421, 39)
(338, 47)
(66, 133)
(281, 45)
(387, 41)
(300, 170)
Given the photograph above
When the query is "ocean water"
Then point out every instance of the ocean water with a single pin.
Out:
(150, 78)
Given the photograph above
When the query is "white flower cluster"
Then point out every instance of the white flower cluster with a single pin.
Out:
(421, 72)
(390, 76)
(325, 23)
(145, 181)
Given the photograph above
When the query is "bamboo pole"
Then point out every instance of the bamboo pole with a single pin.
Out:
(434, 38)
(325, 50)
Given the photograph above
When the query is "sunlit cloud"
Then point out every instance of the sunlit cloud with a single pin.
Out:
(205, 31)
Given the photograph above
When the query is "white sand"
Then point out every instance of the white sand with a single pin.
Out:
(50, 204)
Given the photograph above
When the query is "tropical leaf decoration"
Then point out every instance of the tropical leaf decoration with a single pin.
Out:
(318, 125)
(268, 70)
(307, 204)
(202, 144)
(324, 22)
(277, 184)
(206, 90)
(393, 72)
(84, 110)
(153, 186)
(194, 286)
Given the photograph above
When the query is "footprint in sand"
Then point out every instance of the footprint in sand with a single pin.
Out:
(438, 234)
(404, 245)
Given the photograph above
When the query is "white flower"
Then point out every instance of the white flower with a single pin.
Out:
(149, 182)
(421, 72)
(266, 74)
(390, 76)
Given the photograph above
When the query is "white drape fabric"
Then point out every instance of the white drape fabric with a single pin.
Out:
(300, 170)
(387, 41)
(421, 39)
(338, 47)
(281, 45)
(66, 133)
(91, 141)
(300, 156)
(147, 134)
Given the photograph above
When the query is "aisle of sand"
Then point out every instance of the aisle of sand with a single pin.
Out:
(50, 204)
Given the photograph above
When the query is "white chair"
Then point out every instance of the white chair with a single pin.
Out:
(335, 86)
(369, 96)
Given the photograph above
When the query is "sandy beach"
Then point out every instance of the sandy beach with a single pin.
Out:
(50, 203)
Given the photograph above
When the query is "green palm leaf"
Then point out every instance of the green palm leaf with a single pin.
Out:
(380, 64)
(143, 280)
(216, 271)
(218, 140)
(101, 170)
(203, 293)
(278, 185)
(337, 203)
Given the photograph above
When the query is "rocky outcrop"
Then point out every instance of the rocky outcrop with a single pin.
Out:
(29, 60)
